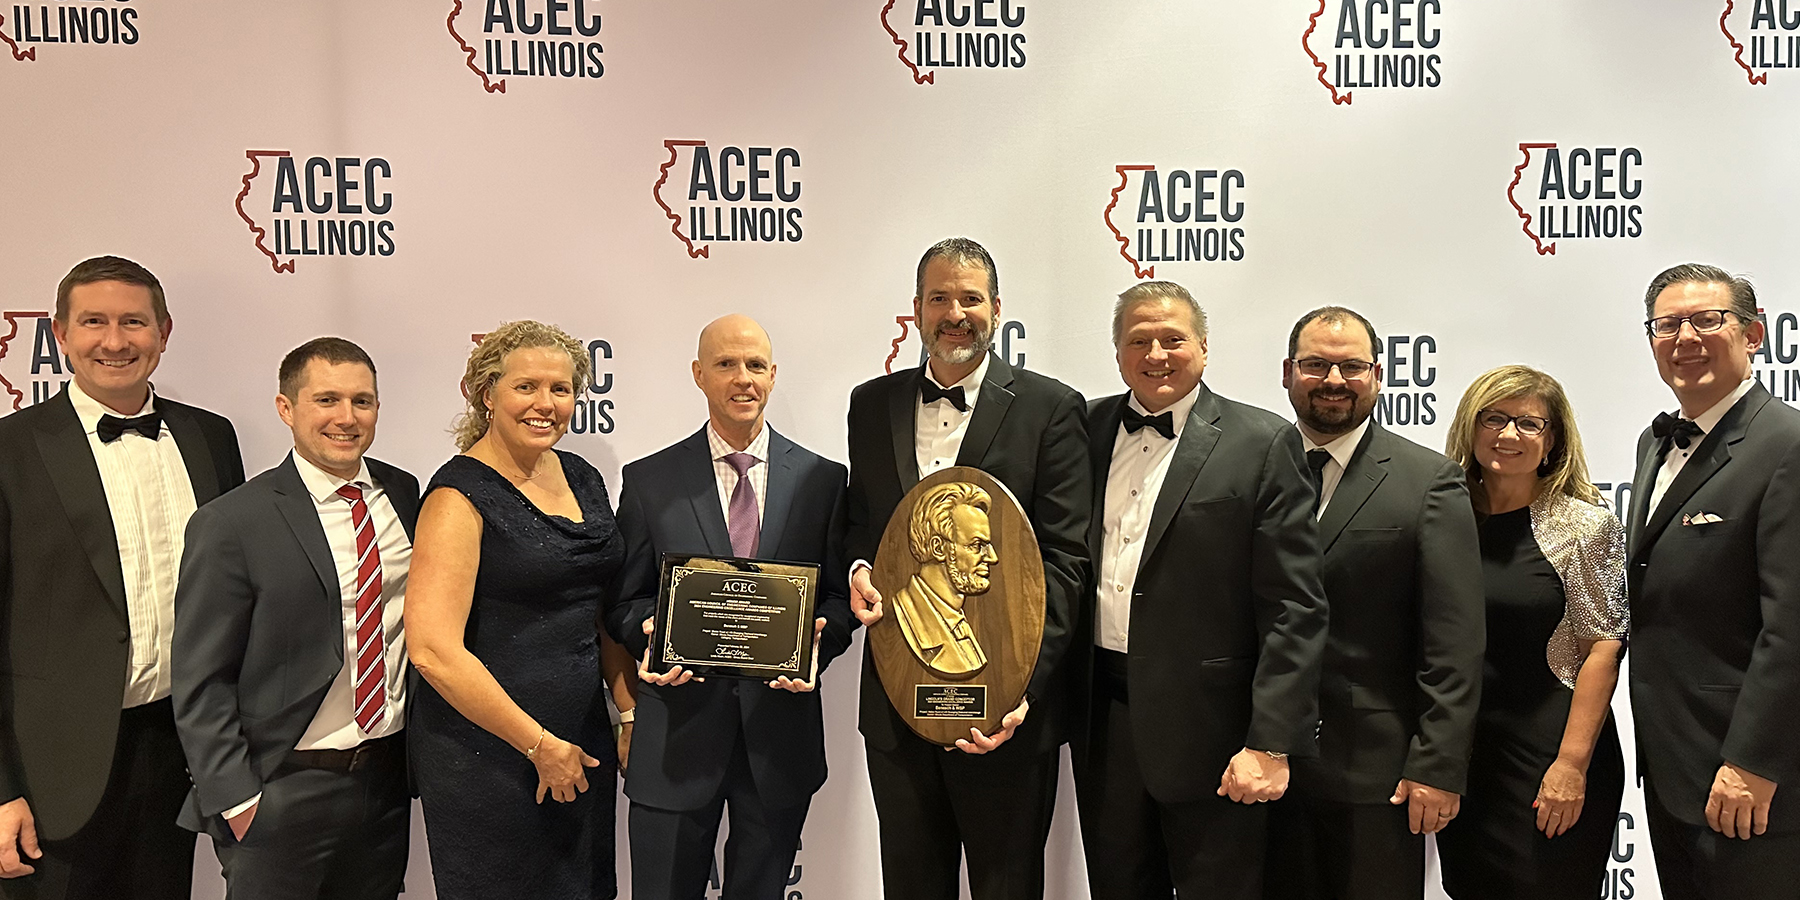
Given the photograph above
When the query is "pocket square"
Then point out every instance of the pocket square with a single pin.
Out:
(1700, 518)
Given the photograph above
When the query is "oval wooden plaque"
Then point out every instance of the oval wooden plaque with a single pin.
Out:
(959, 637)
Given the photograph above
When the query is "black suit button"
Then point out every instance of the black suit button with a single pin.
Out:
(124, 638)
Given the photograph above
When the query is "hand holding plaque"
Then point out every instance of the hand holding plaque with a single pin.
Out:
(963, 586)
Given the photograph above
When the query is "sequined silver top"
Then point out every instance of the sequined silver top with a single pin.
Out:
(1585, 544)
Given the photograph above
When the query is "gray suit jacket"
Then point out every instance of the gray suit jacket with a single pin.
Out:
(258, 632)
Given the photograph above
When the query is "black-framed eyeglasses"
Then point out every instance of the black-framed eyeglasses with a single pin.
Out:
(1351, 369)
(1527, 426)
(1705, 321)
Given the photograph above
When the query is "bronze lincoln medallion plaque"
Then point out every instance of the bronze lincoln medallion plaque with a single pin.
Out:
(742, 618)
(962, 583)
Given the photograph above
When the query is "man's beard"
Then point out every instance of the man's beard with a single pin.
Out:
(1331, 420)
(956, 356)
(967, 582)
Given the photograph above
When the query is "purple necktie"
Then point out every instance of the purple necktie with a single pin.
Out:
(745, 527)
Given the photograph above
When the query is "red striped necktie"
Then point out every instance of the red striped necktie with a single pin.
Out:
(371, 642)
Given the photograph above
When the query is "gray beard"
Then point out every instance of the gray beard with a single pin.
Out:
(960, 355)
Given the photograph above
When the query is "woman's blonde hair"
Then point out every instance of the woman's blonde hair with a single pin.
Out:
(488, 362)
(1564, 470)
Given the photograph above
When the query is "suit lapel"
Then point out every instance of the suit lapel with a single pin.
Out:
(780, 498)
(407, 508)
(63, 446)
(703, 493)
(996, 398)
(1368, 467)
(1711, 456)
(196, 456)
(903, 403)
(302, 515)
(1649, 462)
(1103, 432)
(1198, 438)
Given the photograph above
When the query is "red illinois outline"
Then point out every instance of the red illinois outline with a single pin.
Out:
(1518, 173)
(1125, 242)
(492, 87)
(887, 366)
(917, 77)
(1312, 24)
(12, 331)
(255, 157)
(17, 54)
(675, 227)
(1739, 55)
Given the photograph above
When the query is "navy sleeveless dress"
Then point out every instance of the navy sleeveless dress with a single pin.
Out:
(532, 623)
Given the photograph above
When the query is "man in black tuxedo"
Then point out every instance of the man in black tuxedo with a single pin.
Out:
(733, 488)
(1208, 621)
(1402, 673)
(290, 651)
(96, 486)
(1713, 571)
(992, 800)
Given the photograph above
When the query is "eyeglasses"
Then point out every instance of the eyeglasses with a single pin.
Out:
(1527, 426)
(1705, 321)
(1351, 369)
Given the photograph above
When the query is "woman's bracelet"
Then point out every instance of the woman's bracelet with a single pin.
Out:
(532, 753)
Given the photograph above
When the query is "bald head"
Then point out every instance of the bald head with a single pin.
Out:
(735, 369)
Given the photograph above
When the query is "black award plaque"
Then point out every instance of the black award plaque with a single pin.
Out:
(735, 618)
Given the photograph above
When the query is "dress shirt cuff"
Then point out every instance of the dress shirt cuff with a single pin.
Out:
(243, 807)
(859, 564)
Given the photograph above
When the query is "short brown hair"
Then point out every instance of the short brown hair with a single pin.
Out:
(959, 251)
(1743, 293)
(1151, 291)
(110, 268)
(333, 350)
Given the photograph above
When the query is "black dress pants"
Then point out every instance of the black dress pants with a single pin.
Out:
(1694, 862)
(131, 848)
(672, 850)
(1325, 850)
(324, 834)
(935, 806)
(1138, 847)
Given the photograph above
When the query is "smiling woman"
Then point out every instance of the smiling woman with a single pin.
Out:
(516, 548)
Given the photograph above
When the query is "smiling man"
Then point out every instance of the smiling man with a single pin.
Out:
(1401, 565)
(290, 651)
(735, 488)
(1713, 572)
(1208, 620)
(96, 486)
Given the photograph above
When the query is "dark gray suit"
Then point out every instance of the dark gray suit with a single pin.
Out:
(259, 639)
(699, 745)
(65, 650)
(1715, 646)
(1402, 676)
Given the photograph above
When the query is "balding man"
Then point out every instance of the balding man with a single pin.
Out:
(733, 488)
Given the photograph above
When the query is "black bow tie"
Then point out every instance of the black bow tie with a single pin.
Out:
(111, 427)
(1682, 430)
(1162, 422)
(931, 393)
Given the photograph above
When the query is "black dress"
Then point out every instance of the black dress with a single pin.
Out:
(1493, 848)
(532, 624)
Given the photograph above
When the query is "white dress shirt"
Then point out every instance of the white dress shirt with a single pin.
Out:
(1341, 449)
(939, 427)
(1140, 462)
(334, 725)
(727, 477)
(1678, 456)
(150, 498)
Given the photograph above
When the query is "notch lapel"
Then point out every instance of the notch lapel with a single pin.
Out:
(703, 493)
(903, 402)
(1368, 468)
(990, 409)
(67, 456)
(780, 498)
(196, 455)
(1199, 435)
(302, 516)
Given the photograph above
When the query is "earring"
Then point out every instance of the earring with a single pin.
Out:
(1543, 467)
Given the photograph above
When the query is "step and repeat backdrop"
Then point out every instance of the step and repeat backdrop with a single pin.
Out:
(1488, 182)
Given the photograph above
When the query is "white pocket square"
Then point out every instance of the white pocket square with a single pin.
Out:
(1700, 518)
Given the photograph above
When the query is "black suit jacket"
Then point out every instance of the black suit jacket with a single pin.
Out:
(1402, 675)
(1029, 432)
(66, 644)
(1715, 611)
(259, 633)
(1228, 617)
(682, 742)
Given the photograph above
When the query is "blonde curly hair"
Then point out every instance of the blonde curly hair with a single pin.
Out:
(487, 362)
